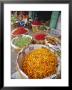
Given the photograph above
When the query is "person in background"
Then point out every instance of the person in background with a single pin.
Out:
(25, 16)
(22, 17)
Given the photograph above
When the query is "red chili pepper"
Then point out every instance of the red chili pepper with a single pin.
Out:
(20, 30)
(40, 36)
(36, 23)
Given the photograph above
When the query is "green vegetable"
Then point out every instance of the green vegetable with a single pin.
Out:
(13, 19)
(58, 52)
(22, 41)
(43, 28)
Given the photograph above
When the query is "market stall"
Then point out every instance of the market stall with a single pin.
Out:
(28, 29)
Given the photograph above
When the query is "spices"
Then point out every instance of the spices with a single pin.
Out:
(20, 30)
(36, 26)
(39, 63)
(40, 36)
(36, 23)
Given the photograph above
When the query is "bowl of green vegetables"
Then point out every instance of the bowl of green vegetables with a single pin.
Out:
(21, 41)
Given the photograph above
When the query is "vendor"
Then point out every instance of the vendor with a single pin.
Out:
(22, 17)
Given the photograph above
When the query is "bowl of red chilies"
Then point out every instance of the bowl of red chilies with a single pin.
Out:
(19, 31)
(39, 37)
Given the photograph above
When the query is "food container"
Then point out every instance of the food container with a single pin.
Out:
(36, 26)
(39, 37)
(19, 46)
(19, 31)
(27, 50)
(52, 41)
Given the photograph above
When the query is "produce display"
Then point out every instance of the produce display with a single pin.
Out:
(40, 36)
(19, 31)
(43, 27)
(13, 19)
(52, 40)
(36, 26)
(36, 22)
(40, 63)
(58, 52)
(21, 41)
